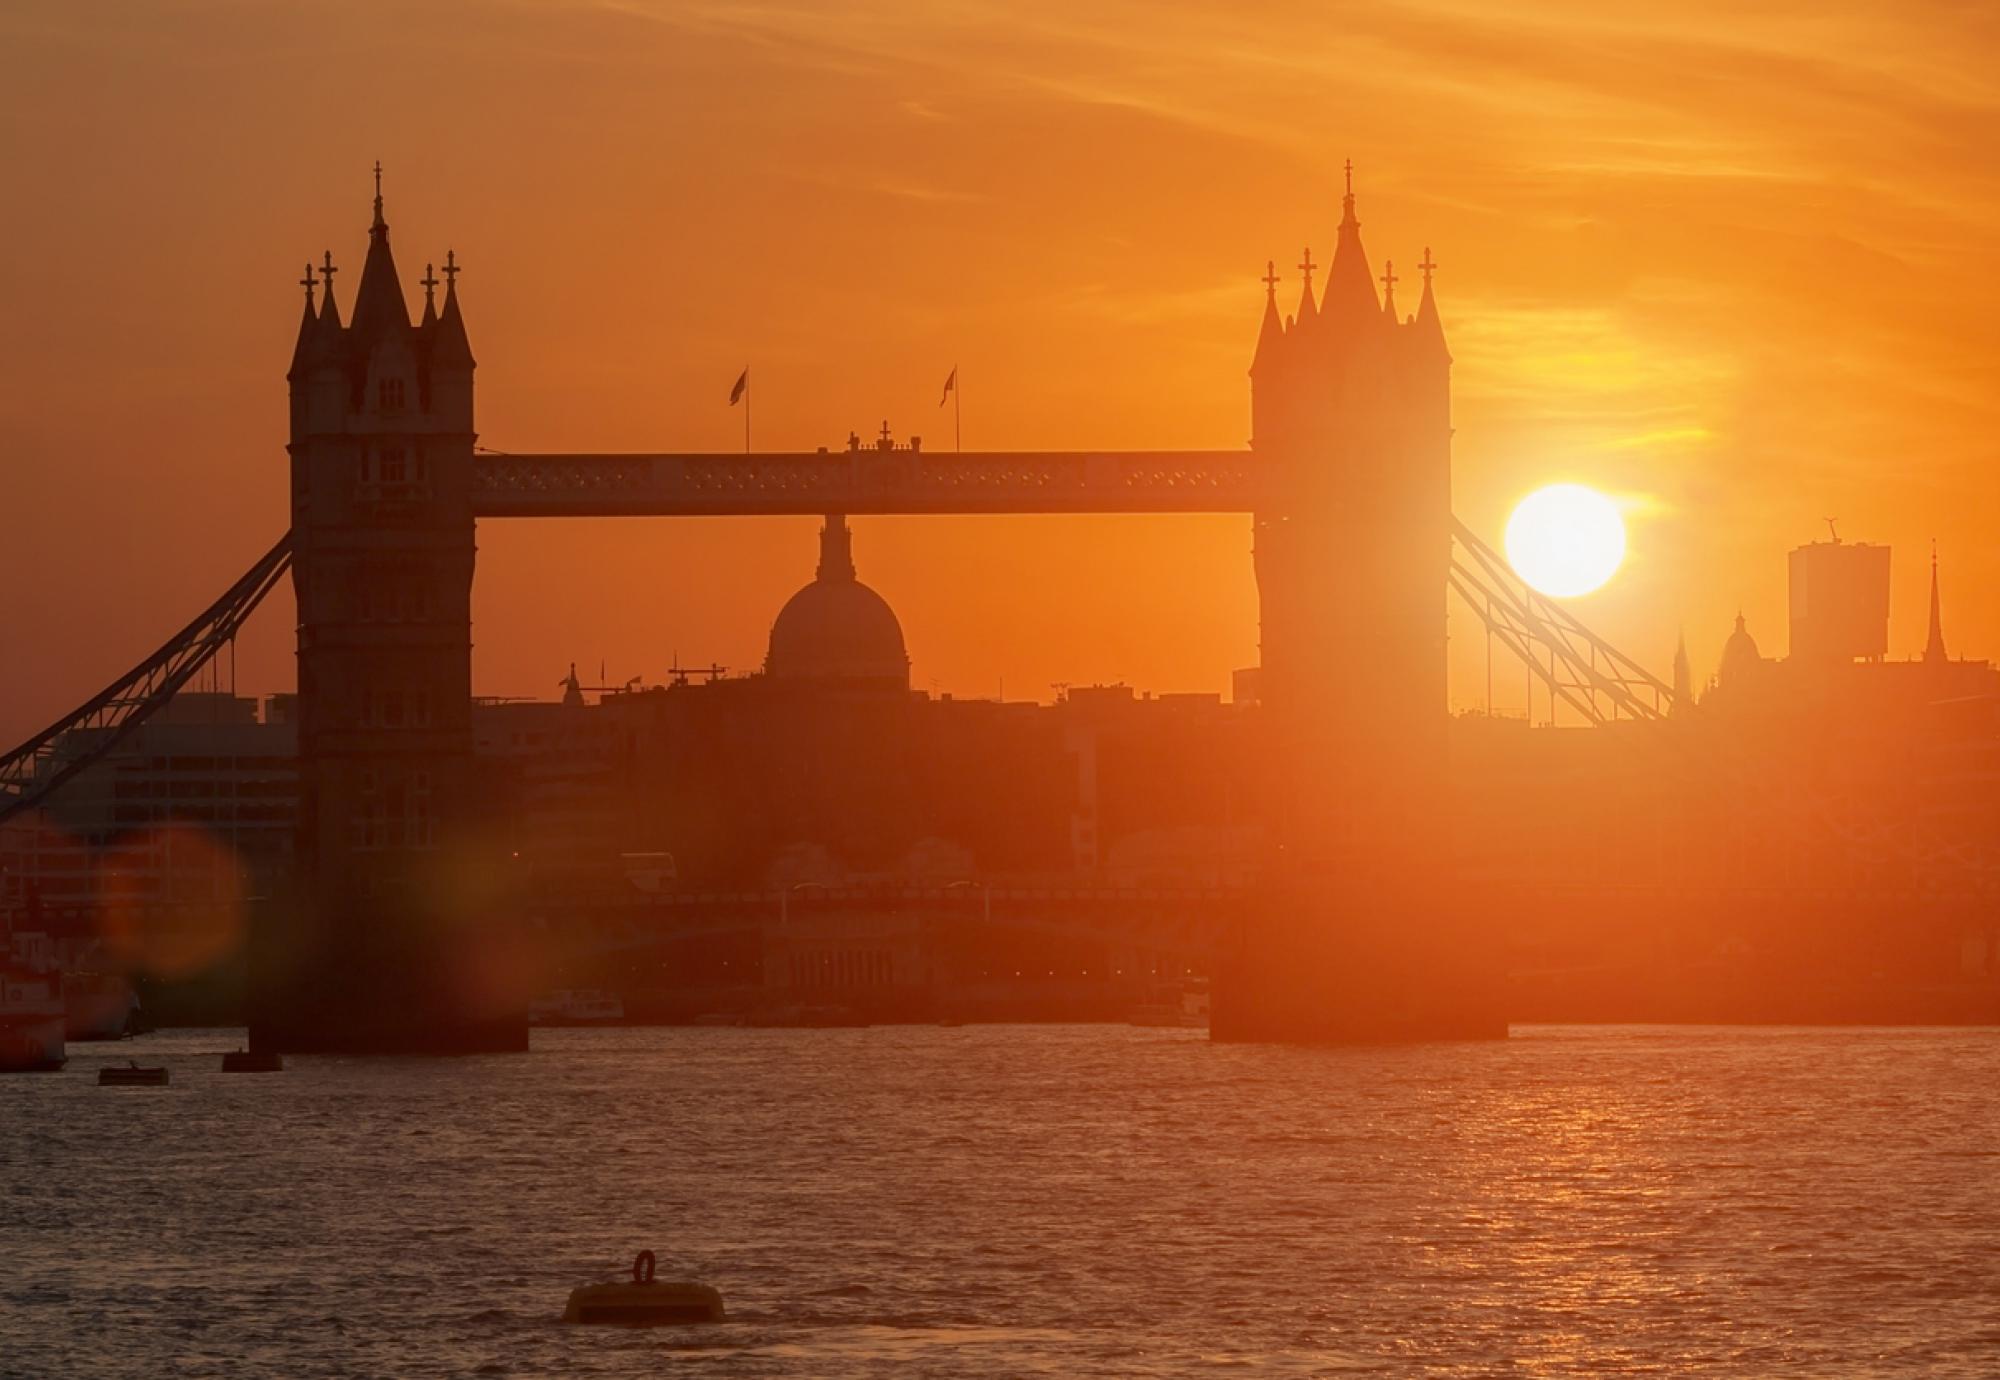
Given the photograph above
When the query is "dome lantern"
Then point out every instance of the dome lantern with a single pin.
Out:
(836, 628)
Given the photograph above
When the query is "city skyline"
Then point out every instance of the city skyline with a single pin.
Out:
(604, 319)
(979, 689)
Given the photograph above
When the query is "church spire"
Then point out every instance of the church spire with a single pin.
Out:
(1389, 281)
(1683, 676)
(1270, 335)
(836, 550)
(1349, 298)
(1934, 653)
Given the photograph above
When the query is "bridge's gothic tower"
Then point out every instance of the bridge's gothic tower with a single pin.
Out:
(1353, 407)
(379, 946)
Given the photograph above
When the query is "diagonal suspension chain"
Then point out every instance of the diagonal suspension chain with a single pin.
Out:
(36, 768)
(1590, 675)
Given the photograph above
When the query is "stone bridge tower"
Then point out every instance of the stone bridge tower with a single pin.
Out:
(386, 940)
(1363, 935)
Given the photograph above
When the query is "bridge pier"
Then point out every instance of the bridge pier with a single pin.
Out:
(1317, 967)
(1363, 935)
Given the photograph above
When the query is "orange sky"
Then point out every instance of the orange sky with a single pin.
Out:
(1733, 264)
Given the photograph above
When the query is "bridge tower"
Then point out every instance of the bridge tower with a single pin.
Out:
(1363, 936)
(381, 945)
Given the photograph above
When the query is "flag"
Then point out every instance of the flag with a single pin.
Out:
(742, 382)
(950, 382)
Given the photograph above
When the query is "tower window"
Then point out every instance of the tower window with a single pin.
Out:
(389, 394)
(392, 468)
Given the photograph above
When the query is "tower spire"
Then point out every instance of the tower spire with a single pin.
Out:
(1349, 298)
(1308, 310)
(1430, 329)
(452, 349)
(1388, 281)
(1271, 334)
(308, 327)
(327, 306)
(1934, 653)
(1683, 676)
(378, 301)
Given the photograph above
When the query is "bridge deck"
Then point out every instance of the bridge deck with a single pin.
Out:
(868, 481)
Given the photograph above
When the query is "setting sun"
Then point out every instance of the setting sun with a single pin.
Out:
(1565, 540)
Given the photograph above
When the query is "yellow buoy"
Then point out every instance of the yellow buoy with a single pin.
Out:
(645, 1302)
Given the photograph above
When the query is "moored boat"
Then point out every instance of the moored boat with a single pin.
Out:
(134, 1075)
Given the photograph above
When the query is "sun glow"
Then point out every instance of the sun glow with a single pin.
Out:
(1565, 540)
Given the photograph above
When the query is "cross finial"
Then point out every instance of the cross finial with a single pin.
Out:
(1349, 169)
(451, 270)
(378, 177)
(1306, 266)
(1388, 278)
(886, 439)
(430, 282)
(327, 270)
(307, 283)
(1270, 278)
(1428, 266)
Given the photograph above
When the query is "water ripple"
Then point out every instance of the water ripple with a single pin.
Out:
(1012, 1201)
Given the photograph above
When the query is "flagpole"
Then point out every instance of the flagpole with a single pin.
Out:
(746, 409)
(957, 412)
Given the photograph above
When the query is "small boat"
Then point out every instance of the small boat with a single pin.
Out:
(645, 1302)
(133, 1076)
(252, 1061)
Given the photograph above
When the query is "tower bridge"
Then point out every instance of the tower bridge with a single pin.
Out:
(1347, 485)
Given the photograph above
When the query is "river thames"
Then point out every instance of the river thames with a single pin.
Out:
(1012, 1200)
